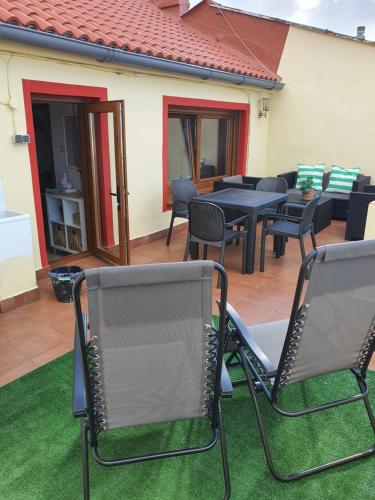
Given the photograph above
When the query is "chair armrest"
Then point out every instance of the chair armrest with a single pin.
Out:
(79, 404)
(290, 178)
(292, 204)
(286, 217)
(226, 386)
(361, 182)
(248, 341)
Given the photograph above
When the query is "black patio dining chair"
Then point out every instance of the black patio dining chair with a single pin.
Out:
(207, 225)
(287, 226)
(273, 185)
(148, 353)
(183, 191)
(331, 329)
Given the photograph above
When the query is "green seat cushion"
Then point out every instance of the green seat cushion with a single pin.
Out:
(314, 171)
(341, 179)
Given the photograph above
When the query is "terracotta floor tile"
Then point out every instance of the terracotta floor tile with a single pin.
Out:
(39, 332)
(11, 358)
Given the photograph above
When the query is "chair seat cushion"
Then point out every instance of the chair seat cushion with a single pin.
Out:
(270, 338)
(285, 228)
(335, 195)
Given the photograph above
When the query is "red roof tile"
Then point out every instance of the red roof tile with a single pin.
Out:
(133, 25)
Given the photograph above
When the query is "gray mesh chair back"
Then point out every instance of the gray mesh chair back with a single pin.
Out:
(335, 325)
(148, 353)
(272, 184)
(143, 318)
(331, 329)
(206, 221)
(183, 190)
(308, 214)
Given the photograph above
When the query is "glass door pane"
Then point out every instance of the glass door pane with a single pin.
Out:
(106, 158)
(214, 147)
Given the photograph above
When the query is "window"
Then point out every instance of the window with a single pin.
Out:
(201, 145)
(203, 140)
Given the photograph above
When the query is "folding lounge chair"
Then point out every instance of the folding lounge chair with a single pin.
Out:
(332, 329)
(147, 353)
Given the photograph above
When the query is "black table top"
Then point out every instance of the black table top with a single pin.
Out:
(243, 199)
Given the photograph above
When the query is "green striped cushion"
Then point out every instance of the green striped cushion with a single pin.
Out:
(341, 179)
(314, 171)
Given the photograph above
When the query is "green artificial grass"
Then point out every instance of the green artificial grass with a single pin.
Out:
(40, 447)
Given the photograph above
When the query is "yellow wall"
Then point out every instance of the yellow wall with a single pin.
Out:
(143, 103)
(370, 222)
(325, 113)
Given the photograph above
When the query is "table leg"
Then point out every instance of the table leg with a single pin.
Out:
(250, 243)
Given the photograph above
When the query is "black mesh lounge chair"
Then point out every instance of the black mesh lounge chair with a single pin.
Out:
(332, 329)
(207, 225)
(289, 226)
(151, 355)
(183, 190)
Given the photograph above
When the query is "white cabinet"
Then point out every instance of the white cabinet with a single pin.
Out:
(66, 222)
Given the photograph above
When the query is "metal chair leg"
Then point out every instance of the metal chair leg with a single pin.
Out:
(170, 229)
(224, 454)
(187, 246)
(367, 404)
(221, 261)
(85, 460)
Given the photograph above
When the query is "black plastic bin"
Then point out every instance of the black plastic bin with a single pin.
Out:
(62, 281)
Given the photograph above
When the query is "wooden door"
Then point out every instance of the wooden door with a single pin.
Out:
(106, 161)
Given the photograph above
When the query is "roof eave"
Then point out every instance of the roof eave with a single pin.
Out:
(106, 54)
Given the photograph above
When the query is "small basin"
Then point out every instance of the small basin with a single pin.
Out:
(15, 234)
(9, 215)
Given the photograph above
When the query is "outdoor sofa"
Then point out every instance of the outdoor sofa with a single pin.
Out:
(357, 213)
(340, 200)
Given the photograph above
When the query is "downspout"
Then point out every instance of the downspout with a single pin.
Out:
(105, 54)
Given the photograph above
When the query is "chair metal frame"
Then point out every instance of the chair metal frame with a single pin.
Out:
(83, 405)
(259, 374)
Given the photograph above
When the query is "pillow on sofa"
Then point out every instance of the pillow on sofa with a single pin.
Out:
(314, 171)
(341, 179)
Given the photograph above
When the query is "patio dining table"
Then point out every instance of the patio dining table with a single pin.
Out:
(250, 203)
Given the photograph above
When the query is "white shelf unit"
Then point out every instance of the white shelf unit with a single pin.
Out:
(66, 222)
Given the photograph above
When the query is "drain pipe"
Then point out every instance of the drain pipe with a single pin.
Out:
(105, 54)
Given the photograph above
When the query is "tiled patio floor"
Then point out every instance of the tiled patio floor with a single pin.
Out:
(39, 332)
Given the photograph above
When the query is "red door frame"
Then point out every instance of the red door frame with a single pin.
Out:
(58, 89)
(242, 108)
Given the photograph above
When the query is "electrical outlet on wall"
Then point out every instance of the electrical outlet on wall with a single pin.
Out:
(21, 138)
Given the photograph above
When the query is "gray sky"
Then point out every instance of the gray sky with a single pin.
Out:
(342, 16)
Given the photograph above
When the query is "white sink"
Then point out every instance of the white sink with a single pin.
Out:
(11, 215)
(15, 234)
